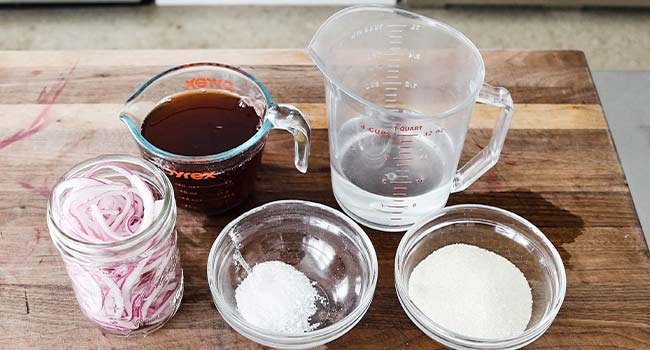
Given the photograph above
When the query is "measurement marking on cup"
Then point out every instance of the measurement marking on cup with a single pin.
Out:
(406, 135)
(402, 182)
(400, 179)
(389, 212)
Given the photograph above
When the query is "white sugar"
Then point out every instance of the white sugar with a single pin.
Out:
(472, 291)
(277, 297)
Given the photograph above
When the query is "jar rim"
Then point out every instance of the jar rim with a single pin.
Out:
(168, 206)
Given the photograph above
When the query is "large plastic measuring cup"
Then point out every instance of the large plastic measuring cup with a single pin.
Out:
(400, 89)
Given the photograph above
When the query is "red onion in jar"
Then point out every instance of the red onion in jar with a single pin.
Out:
(113, 220)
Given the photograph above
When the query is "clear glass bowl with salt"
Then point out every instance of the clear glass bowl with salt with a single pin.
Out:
(292, 274)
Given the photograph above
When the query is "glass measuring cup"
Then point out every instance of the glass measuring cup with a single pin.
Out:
(214, 183)
(400, 89)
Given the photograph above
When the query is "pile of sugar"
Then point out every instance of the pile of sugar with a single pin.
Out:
(472, 291)
(277, 297)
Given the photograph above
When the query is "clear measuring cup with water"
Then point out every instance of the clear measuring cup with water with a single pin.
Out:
(400, 89)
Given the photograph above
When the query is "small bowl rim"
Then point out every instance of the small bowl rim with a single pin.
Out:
(449, 337)
(316, 337)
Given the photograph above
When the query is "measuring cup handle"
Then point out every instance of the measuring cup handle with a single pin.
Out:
(488, 156)
(288, 117)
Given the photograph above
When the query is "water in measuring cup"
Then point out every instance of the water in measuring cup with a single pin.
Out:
(390, 182)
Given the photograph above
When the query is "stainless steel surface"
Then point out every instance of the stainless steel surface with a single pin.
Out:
(625, 97)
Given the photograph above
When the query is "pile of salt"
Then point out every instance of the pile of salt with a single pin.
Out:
(277, 297)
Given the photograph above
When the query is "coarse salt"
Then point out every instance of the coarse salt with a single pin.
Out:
(277, 297)
(472, 291)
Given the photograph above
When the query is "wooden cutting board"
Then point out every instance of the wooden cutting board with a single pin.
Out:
(558, 169)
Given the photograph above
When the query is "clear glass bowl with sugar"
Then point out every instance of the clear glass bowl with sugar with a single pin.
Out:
(501, 232)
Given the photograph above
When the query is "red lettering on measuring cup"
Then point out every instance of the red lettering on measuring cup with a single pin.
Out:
(408, 128)
(189, 84)
(228, 85)
(379, 132)
(202, 82)
(193, 176)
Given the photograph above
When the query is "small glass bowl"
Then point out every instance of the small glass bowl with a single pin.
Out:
(324, 244)
(499, 231)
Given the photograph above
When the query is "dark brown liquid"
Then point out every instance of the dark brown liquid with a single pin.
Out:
(199, 123)
(196, 123)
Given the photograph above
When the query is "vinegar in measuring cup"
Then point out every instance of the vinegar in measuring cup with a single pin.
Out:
(205, 125)
(199, 123)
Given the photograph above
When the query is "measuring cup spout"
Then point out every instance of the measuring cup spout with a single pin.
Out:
(325, 46)
(134, 130)
(350, 48)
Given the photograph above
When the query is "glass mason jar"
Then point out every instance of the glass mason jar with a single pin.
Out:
(134, 285)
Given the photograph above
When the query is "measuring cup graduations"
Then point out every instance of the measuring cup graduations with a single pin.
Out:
(400, 89)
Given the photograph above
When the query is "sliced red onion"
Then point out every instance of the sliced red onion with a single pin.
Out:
(110, 203)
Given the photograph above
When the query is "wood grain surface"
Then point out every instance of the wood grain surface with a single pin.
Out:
(558, 169)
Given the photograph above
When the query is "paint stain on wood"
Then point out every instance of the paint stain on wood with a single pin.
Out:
(48, 96)
(37, 236)
(43, 191)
